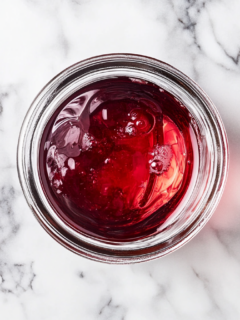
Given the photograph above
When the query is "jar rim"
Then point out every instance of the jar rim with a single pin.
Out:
(67, 82)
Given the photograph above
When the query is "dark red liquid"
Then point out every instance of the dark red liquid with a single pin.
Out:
(116, 158)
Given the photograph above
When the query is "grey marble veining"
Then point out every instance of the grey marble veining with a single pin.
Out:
(40, 280)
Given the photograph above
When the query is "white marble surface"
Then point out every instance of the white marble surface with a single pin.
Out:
(40, 280)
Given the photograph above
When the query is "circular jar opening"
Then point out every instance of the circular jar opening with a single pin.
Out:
(122, 158)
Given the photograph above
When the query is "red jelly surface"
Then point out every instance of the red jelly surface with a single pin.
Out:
(116, 158)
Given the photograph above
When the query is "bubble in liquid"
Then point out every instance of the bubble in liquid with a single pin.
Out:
(107, 160)
(55, 161)
(87, 141)
(71, 163)
(162, 159)
(130, 129)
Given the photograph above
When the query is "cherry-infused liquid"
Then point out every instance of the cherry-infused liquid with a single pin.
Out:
(116, 158)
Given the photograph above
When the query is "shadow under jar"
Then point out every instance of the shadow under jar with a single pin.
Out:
(122, 158)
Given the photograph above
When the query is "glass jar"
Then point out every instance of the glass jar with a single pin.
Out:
(210, 165)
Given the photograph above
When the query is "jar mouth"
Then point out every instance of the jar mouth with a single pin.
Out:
(207, 182)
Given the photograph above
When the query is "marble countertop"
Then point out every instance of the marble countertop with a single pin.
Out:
(39, 279)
